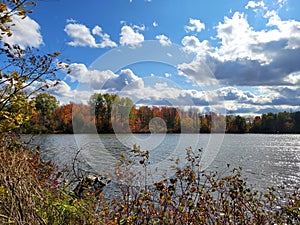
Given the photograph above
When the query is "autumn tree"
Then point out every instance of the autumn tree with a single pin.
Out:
(23, 72)
(63, 118)
(144, 116)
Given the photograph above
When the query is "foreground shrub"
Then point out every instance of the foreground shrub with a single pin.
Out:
(32, 191)
(193, 196)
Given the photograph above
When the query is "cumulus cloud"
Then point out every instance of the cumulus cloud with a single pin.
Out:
(286, 95)
(83, 37)
(163, 40)
(195, 25)
(105, 79)
(130, 36)
(253, 4)
(288, 30)
(80, 73)
(198, 72)
(106, 41)
(64, 93)
(238, 40)
(62, 89)
(25, 33)
(161, 93)
(125, 79)
(233, 93)
(193, 44)
(245, 56)
(293, 78)
(270, 99)
(155, 24)
(80, 34)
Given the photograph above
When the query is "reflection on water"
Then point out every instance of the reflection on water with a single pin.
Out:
(265, 159)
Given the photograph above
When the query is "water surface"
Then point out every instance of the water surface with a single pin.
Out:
(266, 159)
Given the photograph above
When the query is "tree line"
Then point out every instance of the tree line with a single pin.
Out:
(109, 113)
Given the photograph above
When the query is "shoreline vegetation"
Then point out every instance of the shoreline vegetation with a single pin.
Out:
(36, 192)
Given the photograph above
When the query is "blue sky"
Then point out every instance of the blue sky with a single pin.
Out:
(241, 56)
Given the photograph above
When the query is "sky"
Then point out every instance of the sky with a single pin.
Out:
(239, 57)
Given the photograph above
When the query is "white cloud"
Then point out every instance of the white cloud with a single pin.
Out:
(125, 79)
(71, 20)
(79, 72)
(168, 75)
(163, 40)
(105, 79)
(281, 3)
(193, 44)
(253, 4)
(83, 37)
(289, 30)
(160, 93)
(195, 25)
(245, 56)
(106, 41)
(161, 86)
(233, 93)
(198, 72)
(130, 37)
(237, 40)
(293, 78)
(240, 41)
(25, 33)
(61, 89)
(64, 94)
(155, 24)
(137, 27)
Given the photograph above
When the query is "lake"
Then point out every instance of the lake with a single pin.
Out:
(266, 159)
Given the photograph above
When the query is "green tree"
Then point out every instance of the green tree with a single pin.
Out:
(46, 105)
(284, 122)
(102, 105)
(269, 123)
(236, 124)
(256, 125)
(205, 124)
(121, 113)
(296, 121)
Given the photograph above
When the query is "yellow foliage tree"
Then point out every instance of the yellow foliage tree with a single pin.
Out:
(23, 72)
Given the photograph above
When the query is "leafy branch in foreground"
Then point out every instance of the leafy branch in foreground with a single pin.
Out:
(24, 73)
(11, 8)
(193, 196)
